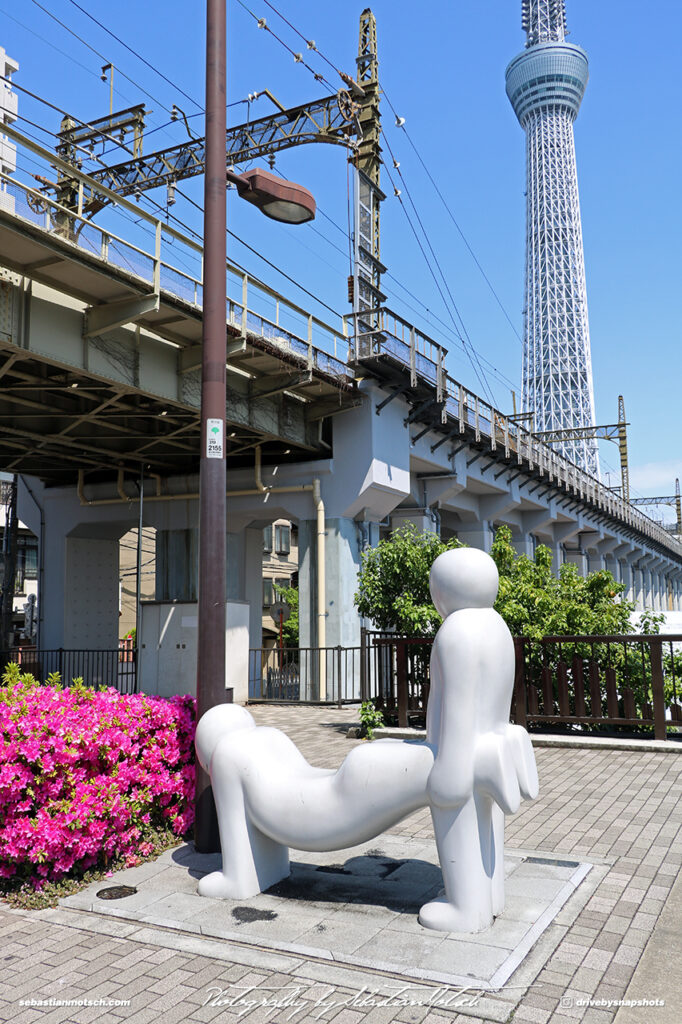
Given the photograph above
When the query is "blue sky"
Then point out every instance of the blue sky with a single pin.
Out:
(443, 70)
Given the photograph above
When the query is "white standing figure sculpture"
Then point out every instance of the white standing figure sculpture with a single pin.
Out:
(472, 770)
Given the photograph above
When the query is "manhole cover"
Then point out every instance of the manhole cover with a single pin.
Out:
(116, 892)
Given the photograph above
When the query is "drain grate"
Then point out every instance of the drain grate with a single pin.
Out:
(551, 860)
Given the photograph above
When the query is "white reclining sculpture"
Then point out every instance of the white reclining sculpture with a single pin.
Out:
(472, 770)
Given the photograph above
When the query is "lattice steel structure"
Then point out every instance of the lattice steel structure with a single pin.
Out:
(545, 85)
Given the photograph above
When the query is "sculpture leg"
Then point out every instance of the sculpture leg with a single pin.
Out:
(498, 870)
(252, 861)
(466, 848)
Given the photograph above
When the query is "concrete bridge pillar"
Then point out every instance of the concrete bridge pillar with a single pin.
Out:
(476, 534)
(245, 577)
(647, 586)
(524, 544)
(636, 585)
(655, 589)
(345, 540)
(558, 555)
(625, 573)
(674, 593)
(659, 602)
(595, 560)
(80, 589)
(578, 557)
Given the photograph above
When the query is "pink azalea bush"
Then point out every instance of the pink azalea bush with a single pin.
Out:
(88, 776)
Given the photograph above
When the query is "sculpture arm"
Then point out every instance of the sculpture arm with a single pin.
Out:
(451, 724)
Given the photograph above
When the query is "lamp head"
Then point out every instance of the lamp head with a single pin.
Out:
(281, 200)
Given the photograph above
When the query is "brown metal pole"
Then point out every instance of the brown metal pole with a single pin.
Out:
(212, 484)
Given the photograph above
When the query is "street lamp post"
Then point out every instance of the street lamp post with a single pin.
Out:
(212, 482)
(280, 200)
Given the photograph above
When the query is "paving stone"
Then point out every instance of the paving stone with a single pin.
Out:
(592, 802)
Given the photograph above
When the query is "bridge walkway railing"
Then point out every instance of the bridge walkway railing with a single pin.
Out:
(379, 334)
(253, 307)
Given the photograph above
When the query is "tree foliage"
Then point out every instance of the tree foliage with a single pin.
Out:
(393, 581)
(393, 589)
(535, 603)
(290, 628)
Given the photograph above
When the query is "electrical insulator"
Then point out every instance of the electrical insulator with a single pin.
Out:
(351, 289)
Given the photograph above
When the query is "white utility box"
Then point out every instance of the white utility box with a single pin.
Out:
(167, 659)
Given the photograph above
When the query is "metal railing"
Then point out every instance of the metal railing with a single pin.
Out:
(381, 332)
(293, 674)
(252, 305)
(614, 681)
(116, 668)
(395, 674)
(611, 683)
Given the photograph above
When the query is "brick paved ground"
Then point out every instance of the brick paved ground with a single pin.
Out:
(621, 807)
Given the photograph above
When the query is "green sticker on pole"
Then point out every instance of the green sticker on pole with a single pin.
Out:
(214, 439)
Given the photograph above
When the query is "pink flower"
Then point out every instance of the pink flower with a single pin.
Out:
(82, 773)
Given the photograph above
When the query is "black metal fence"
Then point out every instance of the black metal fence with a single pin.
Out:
(306, 675)
(117, 668)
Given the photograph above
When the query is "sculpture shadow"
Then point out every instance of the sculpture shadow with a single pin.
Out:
(371, 879)
(196, 864)
(340, 727)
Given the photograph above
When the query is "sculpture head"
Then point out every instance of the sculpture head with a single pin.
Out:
(215, 723)
(463, 578)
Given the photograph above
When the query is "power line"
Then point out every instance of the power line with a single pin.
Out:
(246, 246)
(480, 376)
(148, 199)
(298, 57)
(487, 280)
(159, 127)
(318, 77)
(310, 43)
(98, 54)
(48, 43)
(139, 56)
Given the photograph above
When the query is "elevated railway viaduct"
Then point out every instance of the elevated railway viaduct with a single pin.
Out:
(99, 405)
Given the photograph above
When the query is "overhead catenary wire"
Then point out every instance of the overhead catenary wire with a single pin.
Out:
(179, 192)
(139, 56)
(473, 355)
(298, 57)
(47, 42)
(98, 53)
(480, 375)
(400, 123)
(159, 127)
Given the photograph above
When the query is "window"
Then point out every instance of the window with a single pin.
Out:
(283, 539)
(268, 593)
(27, 563)
(267, 539)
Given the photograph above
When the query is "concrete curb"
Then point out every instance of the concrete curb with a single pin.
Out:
(576, 742)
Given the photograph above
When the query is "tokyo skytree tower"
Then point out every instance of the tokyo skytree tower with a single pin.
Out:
(545, 85)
